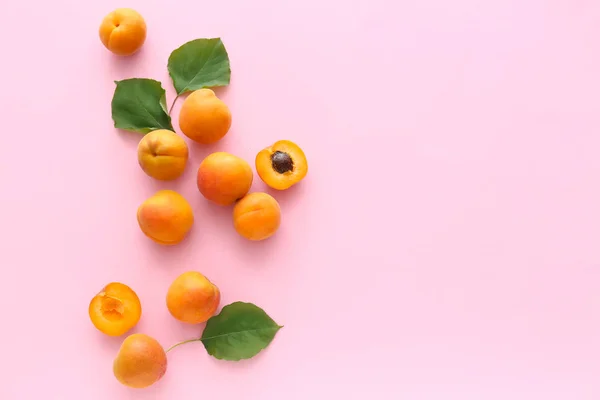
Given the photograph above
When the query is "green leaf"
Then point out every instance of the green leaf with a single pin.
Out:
(140, 105)
(240, 331)
(198, 64)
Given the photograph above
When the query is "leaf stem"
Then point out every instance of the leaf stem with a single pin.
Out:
(180, 343)
(173, 104)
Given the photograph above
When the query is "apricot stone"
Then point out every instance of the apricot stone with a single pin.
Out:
(140, 362)
(115, 309)
(204, 117)
(192, 298)
(123, 31)
(281, 165)
(257, 216)
(166, 217)
(224, 178)
(162, 154)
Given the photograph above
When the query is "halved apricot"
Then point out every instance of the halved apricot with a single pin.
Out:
(281, 165)
(115, 310)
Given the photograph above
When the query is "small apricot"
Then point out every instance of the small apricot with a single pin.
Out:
(162, 154)
(224, 178)
(140, 362)
(123, 31)
(115, 310)
(204, 117)
(192, 298)
(281, 165)
(257, 216)
(166, 217)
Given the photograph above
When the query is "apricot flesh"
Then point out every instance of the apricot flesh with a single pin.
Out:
(204, 117)
(162, 154)
(257, 216)
(166, 217)
(281, 165)
(115, 309)
(192, 298)
(140, 362)
(224, 178)
(123, 31)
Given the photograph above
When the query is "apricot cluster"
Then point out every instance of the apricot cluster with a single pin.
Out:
(167, 217)
(141, 361)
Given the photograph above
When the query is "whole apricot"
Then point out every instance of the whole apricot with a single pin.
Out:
(115, 310)
(162, 154)
(123, 31)
(166, 217)
(257, 216)
(204, 117)
(281, 165)
(224, 178)
(192, 298)
(140, 362)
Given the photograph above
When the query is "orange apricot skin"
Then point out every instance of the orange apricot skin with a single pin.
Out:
(166, 217)
(115, 309)
(192, 298)
(204, 117)
(257, 216)
(224, 178)
(123, 31)
(140, 362)
(162, 154)
(277, 180)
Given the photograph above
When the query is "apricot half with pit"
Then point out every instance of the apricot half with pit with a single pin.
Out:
(257, 216)
(115, 309)
(281, 165)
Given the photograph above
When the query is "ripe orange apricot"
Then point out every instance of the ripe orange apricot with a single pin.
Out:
(123, 31)
(224, 178)
(281, 165)
(204, 117)
(115, 310)
(140, 362)
(166, 217)
(162, 154)
(257, 216)
(192, 298)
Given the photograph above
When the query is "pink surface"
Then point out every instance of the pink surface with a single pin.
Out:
(444, 244)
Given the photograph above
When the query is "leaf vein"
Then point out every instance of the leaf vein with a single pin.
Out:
(201, 68)
(275, 328)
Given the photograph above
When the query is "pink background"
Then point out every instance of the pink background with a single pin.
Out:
(444, 244)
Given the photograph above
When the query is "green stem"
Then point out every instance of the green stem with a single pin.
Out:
(173, 104)
(184, 342)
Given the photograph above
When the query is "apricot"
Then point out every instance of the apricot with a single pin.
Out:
(257, 216)
(281, 165)
(224, 178)
(123, 31)
(115, 310)
(204, 117)
(162, 154)
(192, 298)
(140, 362)
(166, 217)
